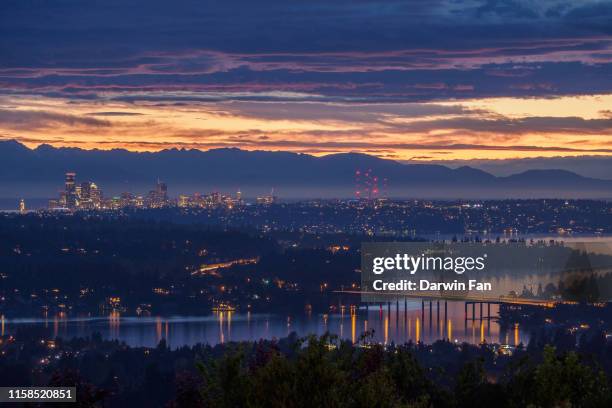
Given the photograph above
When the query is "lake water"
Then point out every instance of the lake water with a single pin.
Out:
(394, 324)
(389, 325)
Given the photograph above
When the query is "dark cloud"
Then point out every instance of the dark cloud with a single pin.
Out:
(387, 50)
(508, 126)
(114, 114)
(30, 120)
(335, 146)
(506, 9)
(347, 112)
(543, 79)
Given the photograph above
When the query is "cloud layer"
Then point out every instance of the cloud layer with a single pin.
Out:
(431, 79)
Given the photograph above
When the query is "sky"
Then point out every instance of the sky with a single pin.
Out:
(422, 80)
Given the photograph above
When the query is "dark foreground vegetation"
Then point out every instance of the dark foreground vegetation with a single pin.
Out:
(315, 372)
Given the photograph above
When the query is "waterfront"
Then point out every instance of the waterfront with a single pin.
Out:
(222, 327)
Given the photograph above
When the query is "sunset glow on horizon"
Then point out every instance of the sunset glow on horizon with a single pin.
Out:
(492, 128)
(433, 81)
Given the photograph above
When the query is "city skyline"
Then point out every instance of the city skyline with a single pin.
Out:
(424, 81)
(87, 195)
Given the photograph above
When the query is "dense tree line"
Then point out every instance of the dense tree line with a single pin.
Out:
(315, 372)
(346, 376)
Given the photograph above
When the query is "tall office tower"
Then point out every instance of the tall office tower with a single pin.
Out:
(159, 197)
(162, 190)
(86, 190)
(22, 206)
(71, 197)
(239, 195)
(84, 195)
(151, 200)
(62, 199)
(95, 195)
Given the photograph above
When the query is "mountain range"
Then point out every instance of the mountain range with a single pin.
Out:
(39, 172)
(595, 166)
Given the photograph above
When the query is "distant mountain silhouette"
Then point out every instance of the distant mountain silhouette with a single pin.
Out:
(585, 165)
(39, 173)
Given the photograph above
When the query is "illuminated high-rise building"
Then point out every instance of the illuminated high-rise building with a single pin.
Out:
(84, 194)
(267, 200)
(197, 200)
(88, 196)
(126, 199)
(85, 190)
(159, 197)
(95, 195)
(22, 206)
(62, 199)
(70, 190)
(183, 200)
(162, 190)
(139, 201)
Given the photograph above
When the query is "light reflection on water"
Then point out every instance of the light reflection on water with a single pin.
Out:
(389, 325)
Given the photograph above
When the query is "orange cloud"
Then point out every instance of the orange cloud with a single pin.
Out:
(470, 129)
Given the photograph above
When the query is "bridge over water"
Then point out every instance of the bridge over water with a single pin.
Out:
(469, 299)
